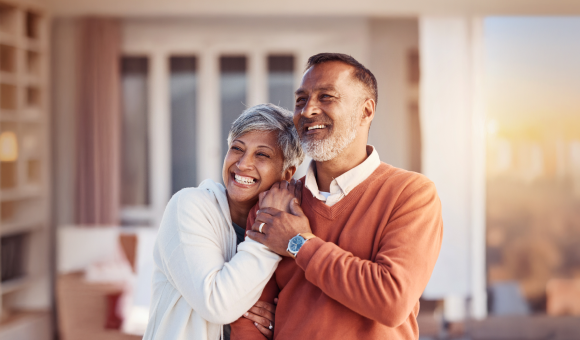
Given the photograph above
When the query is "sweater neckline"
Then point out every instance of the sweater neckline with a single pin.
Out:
(353, 196)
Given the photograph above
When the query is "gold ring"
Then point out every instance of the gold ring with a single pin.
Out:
(260, 229)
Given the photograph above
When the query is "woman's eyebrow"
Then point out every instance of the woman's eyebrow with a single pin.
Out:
(237, 140)
(266, 146)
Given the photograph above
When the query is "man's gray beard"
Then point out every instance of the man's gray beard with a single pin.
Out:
(328, 148)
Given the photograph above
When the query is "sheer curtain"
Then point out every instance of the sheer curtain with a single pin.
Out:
(98, 122)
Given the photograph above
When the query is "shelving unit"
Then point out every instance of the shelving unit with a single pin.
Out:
(25, 289)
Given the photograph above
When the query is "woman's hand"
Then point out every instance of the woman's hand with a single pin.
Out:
(262, 314)
(281, 194)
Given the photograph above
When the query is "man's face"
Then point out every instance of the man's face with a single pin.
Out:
(327, 114)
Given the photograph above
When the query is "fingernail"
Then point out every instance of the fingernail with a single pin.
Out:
(246, 314)
(257, 212)
(255, 323)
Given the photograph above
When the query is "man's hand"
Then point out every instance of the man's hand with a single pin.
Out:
(281, 195)
(262, 314)
(279, 227)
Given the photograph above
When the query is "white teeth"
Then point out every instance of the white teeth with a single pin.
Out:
(316, 127)
(243, 179)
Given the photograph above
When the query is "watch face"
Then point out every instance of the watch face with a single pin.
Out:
(295, 243)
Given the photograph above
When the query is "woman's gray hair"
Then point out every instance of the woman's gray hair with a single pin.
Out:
(269, 117)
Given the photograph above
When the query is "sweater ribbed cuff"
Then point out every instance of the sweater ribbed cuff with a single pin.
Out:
(307, 251)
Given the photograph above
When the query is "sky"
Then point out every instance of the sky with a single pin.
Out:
(533, 70)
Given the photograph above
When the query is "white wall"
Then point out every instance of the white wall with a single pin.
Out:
(390, 42)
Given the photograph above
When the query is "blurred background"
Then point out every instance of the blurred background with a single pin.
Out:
(107, 108)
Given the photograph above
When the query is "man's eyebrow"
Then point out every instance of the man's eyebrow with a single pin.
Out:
(299, 92)
(325, 88)
(320, 88)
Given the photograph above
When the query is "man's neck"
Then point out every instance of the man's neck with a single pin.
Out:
(327, 171)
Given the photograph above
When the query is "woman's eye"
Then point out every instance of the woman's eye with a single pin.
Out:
(237, 148)
(325, 96)
(263, 154)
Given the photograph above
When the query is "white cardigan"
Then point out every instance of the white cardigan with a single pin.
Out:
(200, 283)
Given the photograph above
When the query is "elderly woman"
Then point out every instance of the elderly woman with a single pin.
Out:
(200, 281)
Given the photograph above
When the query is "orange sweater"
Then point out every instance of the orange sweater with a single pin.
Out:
(362, 277)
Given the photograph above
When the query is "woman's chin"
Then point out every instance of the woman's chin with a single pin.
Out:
(243, 193)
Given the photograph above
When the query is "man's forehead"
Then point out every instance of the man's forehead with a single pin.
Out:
(327, 76)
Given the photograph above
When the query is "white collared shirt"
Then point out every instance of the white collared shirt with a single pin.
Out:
(343, 184)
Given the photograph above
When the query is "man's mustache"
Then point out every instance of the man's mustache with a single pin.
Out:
(322, 120)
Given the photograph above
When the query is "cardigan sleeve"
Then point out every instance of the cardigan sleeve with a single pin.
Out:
(244, 329)
(386, 289)
(194, 259)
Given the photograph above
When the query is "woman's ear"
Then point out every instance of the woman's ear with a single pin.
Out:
(288, 173)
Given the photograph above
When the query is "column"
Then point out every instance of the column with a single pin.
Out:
(159, 135)
(453, 156)
(258, 78)
(208, 143)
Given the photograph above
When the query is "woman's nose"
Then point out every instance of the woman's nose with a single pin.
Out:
(245, 163)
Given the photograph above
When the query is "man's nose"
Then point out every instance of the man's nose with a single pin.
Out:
(310, 109)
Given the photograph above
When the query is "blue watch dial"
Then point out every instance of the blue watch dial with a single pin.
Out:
(296, 243)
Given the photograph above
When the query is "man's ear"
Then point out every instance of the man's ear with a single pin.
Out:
(368, 111)
(288, 173)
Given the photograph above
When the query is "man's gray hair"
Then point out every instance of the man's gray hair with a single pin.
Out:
(269, 117)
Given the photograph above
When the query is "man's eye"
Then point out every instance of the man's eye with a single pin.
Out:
(299, 100)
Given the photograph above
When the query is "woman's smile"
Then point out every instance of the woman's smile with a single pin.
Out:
(244, 181)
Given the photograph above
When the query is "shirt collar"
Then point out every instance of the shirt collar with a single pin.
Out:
(344, 183)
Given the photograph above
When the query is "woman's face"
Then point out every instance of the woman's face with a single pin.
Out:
(253, 163)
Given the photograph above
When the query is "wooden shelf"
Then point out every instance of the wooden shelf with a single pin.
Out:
(27, 325)
(19, 194)
(8, 78)
(13, 285)
(11, 228)
(24, 176)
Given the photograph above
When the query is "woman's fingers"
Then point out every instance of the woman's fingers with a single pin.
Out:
(265, 331)
(298, 192)
(263, 313)
(261, 197)
(292, 186)
(267, 306)
(258, 319)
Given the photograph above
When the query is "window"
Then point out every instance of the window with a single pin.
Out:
(182, 92)
(281, 81)
(135, 158)
(233, 91)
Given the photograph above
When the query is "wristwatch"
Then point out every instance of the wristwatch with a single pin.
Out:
(297, 242)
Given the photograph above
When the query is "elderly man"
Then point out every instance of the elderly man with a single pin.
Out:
(360, 249)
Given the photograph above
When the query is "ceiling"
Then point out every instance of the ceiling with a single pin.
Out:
(374, 8)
